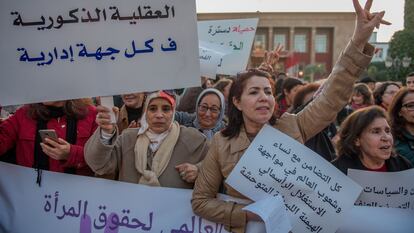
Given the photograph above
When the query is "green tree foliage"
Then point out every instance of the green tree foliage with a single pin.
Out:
(402, 44)
(409, 15)
(378, 71)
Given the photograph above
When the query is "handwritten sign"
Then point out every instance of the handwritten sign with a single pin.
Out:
(55, 50)
(317, 195)
(210, 58)
(236, 34)
(385, 189)
(70, 203)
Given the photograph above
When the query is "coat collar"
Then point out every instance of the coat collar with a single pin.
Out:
(239, 143)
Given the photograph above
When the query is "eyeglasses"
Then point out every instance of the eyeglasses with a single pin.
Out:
(205, 108)
(409, 106)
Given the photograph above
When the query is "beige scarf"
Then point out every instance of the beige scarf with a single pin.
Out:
(161, 158)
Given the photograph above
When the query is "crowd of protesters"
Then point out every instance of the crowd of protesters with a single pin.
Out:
(194, 139)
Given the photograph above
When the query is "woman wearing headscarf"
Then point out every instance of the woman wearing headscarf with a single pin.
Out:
(209, 115)
(159, 153)
(252, 107)
(72, 120)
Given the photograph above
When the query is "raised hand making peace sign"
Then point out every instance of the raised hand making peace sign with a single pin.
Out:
(365, 23)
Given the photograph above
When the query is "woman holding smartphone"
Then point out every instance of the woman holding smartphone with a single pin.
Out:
(72, 120)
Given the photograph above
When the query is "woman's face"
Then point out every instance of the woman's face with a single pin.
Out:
(256, 102)
(407, 110)
(133, 100)
(389, 94)
(357, 98)
(209, 111)
(375, 143)
(54, 103)
(159, 115)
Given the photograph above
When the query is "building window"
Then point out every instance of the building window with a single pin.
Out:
(321, 43)
(279, 39)
(379, 53)
(300, 42)
(260, 42)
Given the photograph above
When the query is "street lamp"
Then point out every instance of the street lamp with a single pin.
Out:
(396, 63)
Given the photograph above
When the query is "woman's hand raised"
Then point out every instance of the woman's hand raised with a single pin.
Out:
(365, 23)
(103, 119)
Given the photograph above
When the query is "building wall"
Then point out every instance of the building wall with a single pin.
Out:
(337, 26)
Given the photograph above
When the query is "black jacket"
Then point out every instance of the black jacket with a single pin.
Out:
(394, 163)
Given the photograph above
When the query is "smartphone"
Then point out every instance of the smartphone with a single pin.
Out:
(48, 133)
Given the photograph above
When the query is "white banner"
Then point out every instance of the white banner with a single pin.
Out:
(71, 203)
(54, 50)
(210, 58)
(317, 195)
(364, 219)
(236, 34)
(385, 189)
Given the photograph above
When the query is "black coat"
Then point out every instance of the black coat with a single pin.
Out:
(394, 164)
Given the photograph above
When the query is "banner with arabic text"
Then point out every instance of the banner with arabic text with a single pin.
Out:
(234, 34)
(57, 50)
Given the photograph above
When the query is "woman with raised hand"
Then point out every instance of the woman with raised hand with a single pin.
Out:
(158, 153)
(366, 143)
(252, 107)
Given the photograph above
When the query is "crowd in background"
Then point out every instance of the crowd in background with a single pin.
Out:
(193, 138)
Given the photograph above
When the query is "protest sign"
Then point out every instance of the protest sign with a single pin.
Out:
(71, 203)
(317, 195)
(210, 58)
(56, 50)
(236, 34)
(385, 189)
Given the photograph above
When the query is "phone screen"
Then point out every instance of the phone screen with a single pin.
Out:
(48, 133)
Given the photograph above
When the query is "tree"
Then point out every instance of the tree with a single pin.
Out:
(314, 72)
(409, 15)
(402, 44)
(378, 71)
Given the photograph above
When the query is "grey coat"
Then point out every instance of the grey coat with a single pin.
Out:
(119, 157)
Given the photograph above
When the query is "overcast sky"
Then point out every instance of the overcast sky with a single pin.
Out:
(394, 9)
